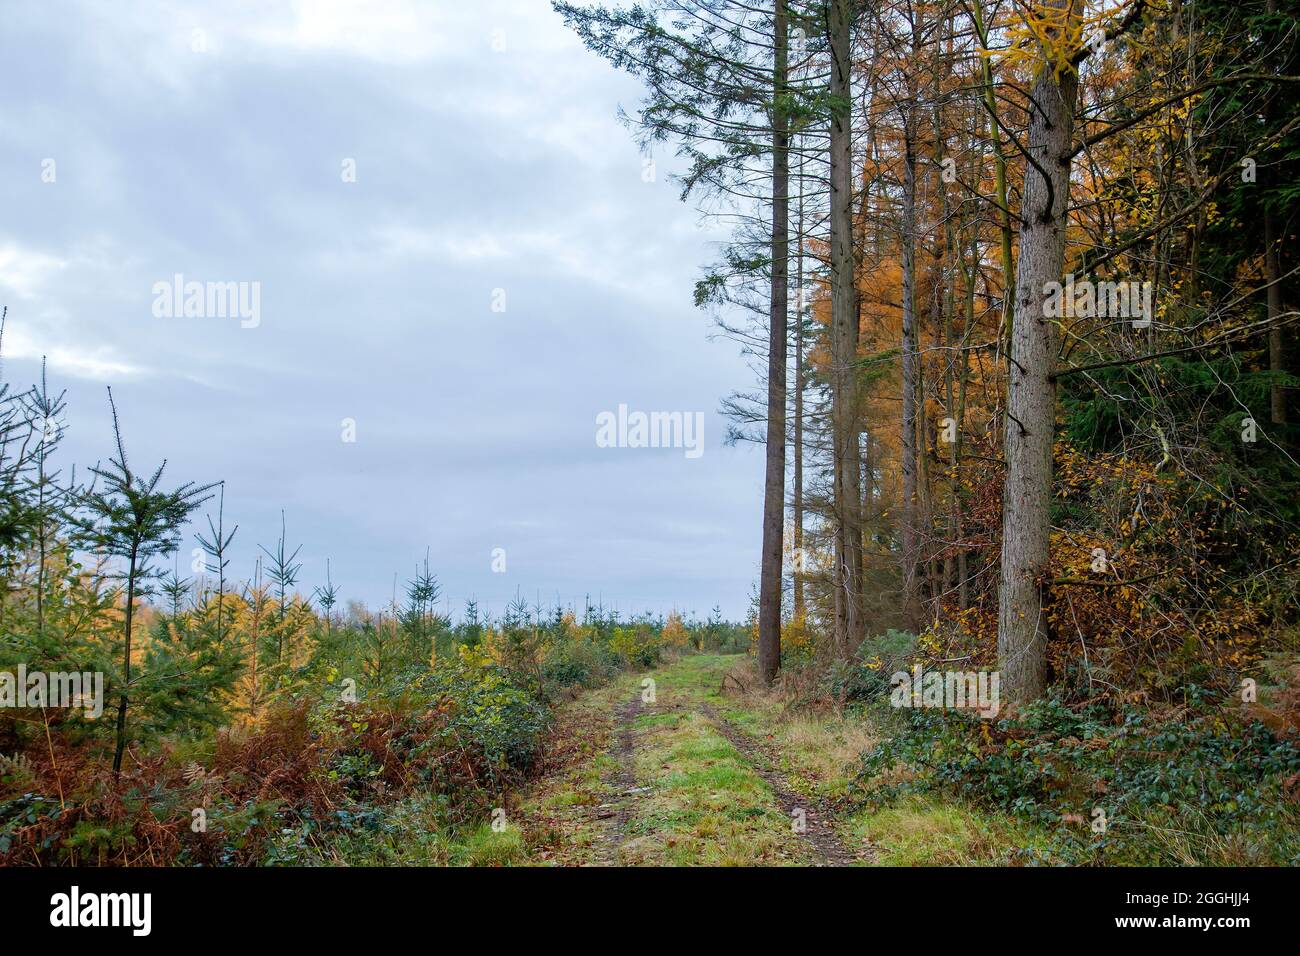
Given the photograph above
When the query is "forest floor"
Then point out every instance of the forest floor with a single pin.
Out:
(695, 764)
(707, 770)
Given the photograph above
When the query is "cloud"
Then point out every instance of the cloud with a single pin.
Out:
(392, 33)
(488, 155)
(24, 271)
(96, 363)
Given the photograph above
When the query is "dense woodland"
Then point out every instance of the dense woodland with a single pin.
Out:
(1019, 285)
(908, 179)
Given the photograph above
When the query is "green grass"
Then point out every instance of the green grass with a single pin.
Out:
(920, 831)
(487, 847)
(700, 801)
(406, 834)
(706, 805)
(820, 755)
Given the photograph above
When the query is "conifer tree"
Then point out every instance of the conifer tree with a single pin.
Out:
(128, 516)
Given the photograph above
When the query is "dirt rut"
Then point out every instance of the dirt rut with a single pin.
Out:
(621, 782)
(818, 832)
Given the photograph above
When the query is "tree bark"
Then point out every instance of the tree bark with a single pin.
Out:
(1273, 274)
(1276, 350)
(844, 336)
(120, 747)
(910, 509)
(800, 558)
(769, 607)
(1031, 391)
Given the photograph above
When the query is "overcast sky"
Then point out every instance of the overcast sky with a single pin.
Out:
(215, 141)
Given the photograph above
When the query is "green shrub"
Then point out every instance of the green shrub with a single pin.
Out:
(1206, 775)
(636, 645)
(577, 663)
(867, 676)
(497, 720)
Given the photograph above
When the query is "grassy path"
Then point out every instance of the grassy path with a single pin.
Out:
(672, 772)
(666, 769)
(811, 819)
(620, 784)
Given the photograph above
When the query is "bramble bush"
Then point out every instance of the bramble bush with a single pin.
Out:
(865, 677)
(1202, 784)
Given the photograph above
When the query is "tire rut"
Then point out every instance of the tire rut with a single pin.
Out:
(620, 782)
(818, 832)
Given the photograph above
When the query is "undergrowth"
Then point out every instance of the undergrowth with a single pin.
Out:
(1112, 784)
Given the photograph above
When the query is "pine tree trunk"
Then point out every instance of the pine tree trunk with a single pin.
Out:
(769, 607)
(797, 502)
(1273, 274)
(120, 747)
(1031, 391)
(910, 509)
(848, 461)
(1276, 351)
